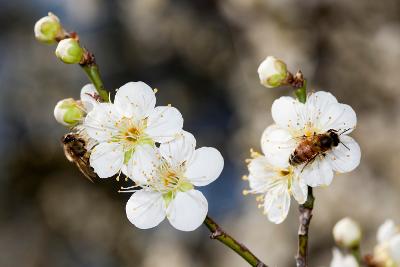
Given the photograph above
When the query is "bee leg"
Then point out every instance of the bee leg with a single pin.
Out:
(311, 160)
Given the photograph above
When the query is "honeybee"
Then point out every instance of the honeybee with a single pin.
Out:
(75, 151)
(311, 147)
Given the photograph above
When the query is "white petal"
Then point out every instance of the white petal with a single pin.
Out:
(394, 248)
(317, 173)
(89, 96)
(277, 203)
(340, 117)
(205, 166)
(299, 190)
(107, 159)
(187, 210)
(179, 150)
(164, 124)
(317, 106)
(289, 113)
(145, 209)
(100, 123)
(277, 144)
(135, 100)
(386, 231)
(345, 158)
(143, 164)
(260, 173)
(319, 101)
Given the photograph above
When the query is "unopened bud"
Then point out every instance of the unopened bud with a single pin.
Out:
(69, 51)
(47, 29)
(68, 112)
(347, 233)
(272, 72)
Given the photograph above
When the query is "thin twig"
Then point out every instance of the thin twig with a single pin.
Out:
(218, 233)
(305, 219)
(89, 65)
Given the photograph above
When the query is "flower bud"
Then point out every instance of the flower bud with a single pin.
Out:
(68, 112)
(47, 29)
(347, 233)
(272, 72)
(69, 51)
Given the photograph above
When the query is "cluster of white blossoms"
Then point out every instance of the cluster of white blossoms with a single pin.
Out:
(147, 144)
(307, 143)
(347, 235)
(387, 251)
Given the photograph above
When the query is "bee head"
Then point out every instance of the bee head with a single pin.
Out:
(68, 138)
(334, 136)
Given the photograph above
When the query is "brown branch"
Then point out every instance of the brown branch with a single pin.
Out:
(218, 233)
(305, 219)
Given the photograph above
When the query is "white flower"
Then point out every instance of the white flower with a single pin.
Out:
(129, 128)
(70, 112)
(272, 72)
(275, 184)
(387, 251)
(167, 181)
(347, 233)
(69, 51)
(340, 260)
(296, 122)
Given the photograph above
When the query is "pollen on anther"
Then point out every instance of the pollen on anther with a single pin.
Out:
(245, 177)
(245, 192)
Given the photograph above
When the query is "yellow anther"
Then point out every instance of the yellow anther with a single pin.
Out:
(260, 198)
(245, 192)
(245, 177)
(155, 90)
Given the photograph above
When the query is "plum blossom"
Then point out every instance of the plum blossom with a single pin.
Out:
(295, 121)
(166, 180)
(274, 184)
(128, 128)
(387, 251)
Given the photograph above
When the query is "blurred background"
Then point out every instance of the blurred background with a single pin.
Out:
(202, 56)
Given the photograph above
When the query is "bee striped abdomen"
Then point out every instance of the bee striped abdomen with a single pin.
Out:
(302, 154)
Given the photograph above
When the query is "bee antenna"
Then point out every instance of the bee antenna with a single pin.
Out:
(344, 145)
(345, 131)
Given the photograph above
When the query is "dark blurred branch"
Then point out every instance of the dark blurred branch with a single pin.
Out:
(218, 233)
(305, 219)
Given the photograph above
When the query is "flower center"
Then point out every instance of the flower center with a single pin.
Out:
(132, 134)
(168, 180)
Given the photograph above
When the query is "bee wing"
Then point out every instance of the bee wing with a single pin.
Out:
(85, 169)
(75, 151)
